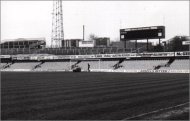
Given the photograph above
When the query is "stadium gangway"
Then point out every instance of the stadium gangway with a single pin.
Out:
(90, 59)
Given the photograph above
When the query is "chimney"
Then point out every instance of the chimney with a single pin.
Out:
(83, 32)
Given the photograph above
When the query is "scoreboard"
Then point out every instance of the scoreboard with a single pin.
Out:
(153, 32)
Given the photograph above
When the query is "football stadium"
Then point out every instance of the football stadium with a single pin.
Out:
(96, 79)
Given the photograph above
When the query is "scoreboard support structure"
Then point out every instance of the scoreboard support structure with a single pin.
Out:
(136, 45)
(159, 41)
(147, 45)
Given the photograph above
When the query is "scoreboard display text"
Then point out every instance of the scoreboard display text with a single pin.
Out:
(154, 32)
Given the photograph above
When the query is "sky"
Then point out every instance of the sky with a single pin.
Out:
(33, 19)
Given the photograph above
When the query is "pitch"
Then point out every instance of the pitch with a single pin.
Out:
(80, 96)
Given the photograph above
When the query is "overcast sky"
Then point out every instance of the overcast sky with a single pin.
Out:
(32, 19)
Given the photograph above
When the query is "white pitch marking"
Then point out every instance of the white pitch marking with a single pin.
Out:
(155, 111)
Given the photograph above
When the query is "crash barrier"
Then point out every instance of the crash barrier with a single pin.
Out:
(102, 70)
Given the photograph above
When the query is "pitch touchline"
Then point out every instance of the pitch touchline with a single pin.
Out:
(154, 111)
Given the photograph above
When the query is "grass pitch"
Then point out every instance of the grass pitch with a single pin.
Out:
(80, 96)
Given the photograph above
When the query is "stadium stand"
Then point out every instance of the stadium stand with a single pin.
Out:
(3, 65)
(94, 64)
(127, 64)
(6, 65)
(142, 64)
(75, 64)
(38, 65)
(177, 64)
(171, 60)
(66, 65)
(107, 64)
(121, 62)
(21, 66)
(118, 64)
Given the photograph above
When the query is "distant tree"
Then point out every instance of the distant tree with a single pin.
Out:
(117, 39)
(92, 37)
(158, 48)
(176, 44)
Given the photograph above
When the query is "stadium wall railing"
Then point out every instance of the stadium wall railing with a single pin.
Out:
(104, 70)
(94, 56)
(141, 71)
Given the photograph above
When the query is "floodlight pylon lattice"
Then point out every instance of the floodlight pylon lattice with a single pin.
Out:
(57, 25)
